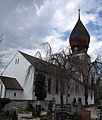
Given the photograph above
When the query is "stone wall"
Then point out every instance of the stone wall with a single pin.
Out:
(21, 105)
(16, 104)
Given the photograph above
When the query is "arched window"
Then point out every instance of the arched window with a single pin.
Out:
(91, 96)
(17, 61)
(56, 90)
(14, 94)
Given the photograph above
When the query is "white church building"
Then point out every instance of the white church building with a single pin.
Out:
(16, 84)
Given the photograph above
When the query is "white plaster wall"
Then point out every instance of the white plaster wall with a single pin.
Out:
(76, 95)
(56, 98)
(73, 94)
(2, 93)
(90, 100)
(19, 71)
(76, 91)
(10, 94)
(71, 91)
(70, 99)
(81, 95)
(0, 88)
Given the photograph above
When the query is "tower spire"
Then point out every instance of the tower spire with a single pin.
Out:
(78, 14)
(79, 37)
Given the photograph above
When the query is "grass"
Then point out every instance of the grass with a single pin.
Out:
(93, 105)
(27, 117)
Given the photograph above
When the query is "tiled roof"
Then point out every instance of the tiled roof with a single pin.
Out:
(42, 65)
(10, 83)
(39, 64)
(49, 68)
(80, 30)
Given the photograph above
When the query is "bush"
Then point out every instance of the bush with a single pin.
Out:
(29, 106)
(10, 114)
(37, 114)
(7, 113)
(3, 102)
(34, 112)
(76, 116)
(40, 86)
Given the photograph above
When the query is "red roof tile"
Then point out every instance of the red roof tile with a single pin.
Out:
(11, 83)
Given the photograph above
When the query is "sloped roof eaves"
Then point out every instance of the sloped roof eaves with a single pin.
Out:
(39, 64)
(11, 83)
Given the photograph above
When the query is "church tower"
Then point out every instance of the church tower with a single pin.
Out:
(79, 42)
(79, 38)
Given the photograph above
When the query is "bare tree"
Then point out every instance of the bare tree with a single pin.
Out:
(66, 66)
(1, 55)
(90, 71)
(38, 55)
(47, 50)
(98, 91)
(1, 37)
(73, 67)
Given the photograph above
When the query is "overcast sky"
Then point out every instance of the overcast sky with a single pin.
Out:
(26, 24)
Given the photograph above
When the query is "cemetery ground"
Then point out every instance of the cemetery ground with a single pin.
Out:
(36, 112)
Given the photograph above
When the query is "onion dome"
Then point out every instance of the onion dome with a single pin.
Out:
(79, 39)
